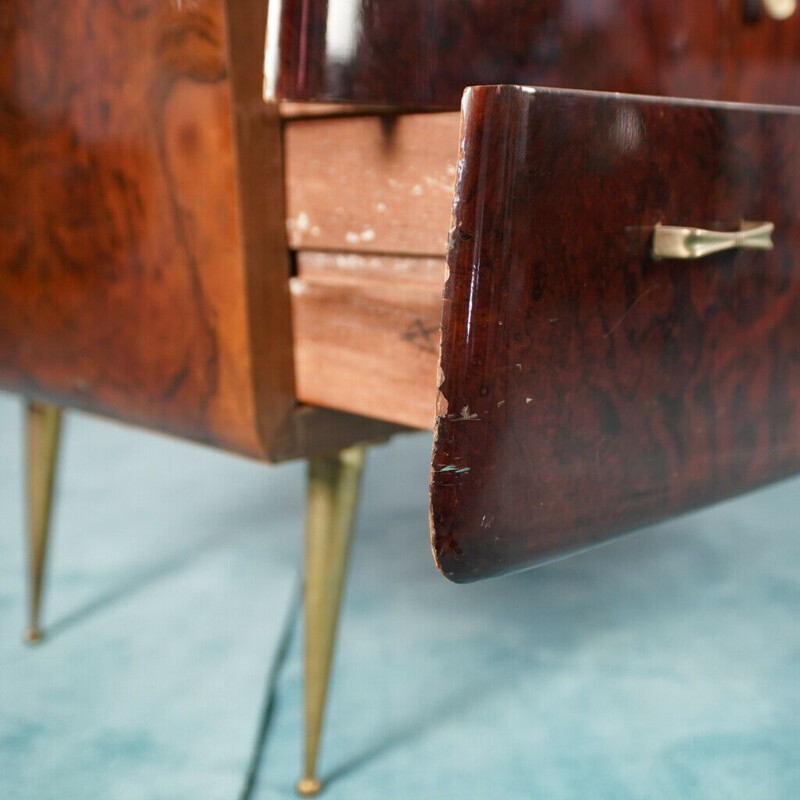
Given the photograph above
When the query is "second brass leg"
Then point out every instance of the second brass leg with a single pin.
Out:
(43, 434)
(333, 489)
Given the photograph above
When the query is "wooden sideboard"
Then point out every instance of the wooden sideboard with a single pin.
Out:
(586, 387)
(267, 227)
(143, 261)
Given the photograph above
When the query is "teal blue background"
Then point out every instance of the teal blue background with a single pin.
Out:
(665, 665)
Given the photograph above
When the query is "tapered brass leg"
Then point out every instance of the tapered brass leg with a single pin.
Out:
(44, 425)
(333, 487)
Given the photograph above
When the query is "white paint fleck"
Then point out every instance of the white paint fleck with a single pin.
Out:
(445, 187)
(302, 223)
(417, 190)
(381, 207)
(528, 399)
(465, 413)
(367, 235)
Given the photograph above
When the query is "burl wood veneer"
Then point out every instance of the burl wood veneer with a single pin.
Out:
(587, 388)
(143, 259)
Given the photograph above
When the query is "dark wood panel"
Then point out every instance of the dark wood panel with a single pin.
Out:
(587, 388)
(371, 184)
(422, 53)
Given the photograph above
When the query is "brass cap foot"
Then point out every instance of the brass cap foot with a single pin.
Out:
(32, 636)
(308, 787)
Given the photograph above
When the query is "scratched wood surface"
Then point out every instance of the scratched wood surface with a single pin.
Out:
(143, 265)
(367, 334)
(586, 388)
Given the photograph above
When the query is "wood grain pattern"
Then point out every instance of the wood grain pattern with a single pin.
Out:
(371, 184)
(367, 334)
(143, 258)
(123, 273)
(423, 53)
(588, 389)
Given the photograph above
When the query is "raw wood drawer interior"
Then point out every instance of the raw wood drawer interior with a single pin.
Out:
(369, 231)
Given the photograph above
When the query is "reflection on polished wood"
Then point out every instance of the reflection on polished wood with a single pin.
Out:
(44, 427)
(333, 489)
(126, 286)
(423, 53)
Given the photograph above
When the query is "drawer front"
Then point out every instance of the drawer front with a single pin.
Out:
(588, 387)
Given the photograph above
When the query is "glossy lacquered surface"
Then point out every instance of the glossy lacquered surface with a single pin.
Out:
(125, 284)
(423, 53)
(587, 388)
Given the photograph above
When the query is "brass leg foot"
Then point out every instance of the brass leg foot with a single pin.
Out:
(308, 787)
(44, 425)
(333, 487)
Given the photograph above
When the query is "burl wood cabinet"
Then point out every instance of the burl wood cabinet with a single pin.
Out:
(144, 262)
(267, 227)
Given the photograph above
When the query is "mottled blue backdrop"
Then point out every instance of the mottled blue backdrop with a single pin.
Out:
(665, 665)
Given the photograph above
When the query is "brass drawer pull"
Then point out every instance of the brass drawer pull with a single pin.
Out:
(780, 9)
(676, 242)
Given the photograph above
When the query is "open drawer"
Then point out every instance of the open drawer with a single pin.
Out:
(588, 384)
